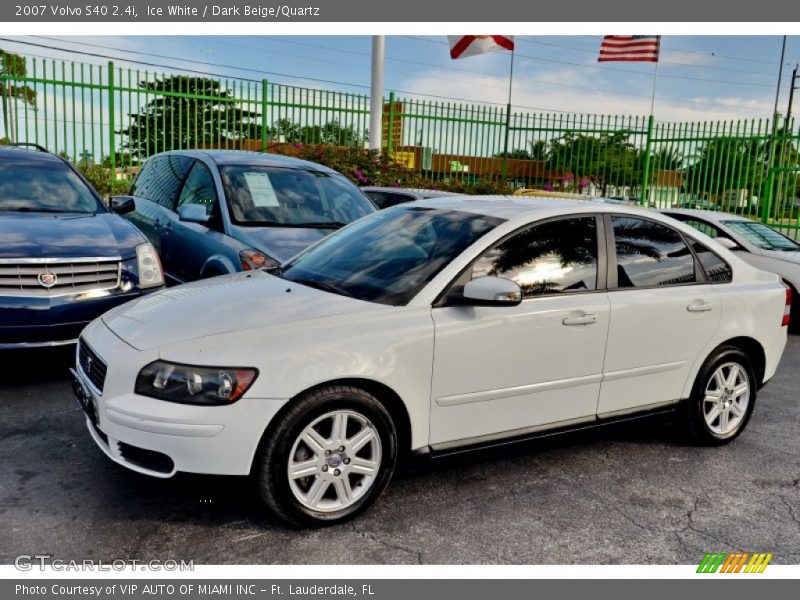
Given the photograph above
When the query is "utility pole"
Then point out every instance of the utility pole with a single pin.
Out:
(792, 88)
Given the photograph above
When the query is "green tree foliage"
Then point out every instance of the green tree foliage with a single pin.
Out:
(607, 159)
(187, 112)
(332, 132)
(12, 66)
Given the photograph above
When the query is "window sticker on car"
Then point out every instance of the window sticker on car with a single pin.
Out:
(261, 190)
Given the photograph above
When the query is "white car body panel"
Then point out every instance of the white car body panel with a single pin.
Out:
(497, 371)
(460, 372)
(634, 363)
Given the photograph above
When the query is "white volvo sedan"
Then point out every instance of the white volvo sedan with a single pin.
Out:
(427, 327)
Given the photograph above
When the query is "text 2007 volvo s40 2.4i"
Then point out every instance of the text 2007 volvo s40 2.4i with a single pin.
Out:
(429, 326)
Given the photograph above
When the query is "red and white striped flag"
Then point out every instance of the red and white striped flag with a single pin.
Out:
(630, 48)
(462, 46)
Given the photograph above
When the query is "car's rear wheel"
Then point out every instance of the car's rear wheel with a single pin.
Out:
(723, 397)
(328, 457)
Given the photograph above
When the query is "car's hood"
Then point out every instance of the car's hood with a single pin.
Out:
(242, 301)
(47, 235)
(280, 243)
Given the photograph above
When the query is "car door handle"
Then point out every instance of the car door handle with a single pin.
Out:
(582, 320)
(700, 306)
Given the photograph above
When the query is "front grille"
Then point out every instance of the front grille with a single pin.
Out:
(147, 459)
(92, 365)
(58, 277)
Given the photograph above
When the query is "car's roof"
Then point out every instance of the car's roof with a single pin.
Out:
(244, 157)
(709, 215)
(21, 154)
(513, 207)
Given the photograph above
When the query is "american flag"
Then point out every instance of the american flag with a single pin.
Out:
(630, 48)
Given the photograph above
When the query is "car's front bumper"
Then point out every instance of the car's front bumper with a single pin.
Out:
(36, 322)
(160, 438)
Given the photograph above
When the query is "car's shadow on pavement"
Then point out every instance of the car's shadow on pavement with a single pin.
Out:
(207, 500)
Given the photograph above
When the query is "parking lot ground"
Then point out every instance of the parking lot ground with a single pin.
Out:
(635, 495)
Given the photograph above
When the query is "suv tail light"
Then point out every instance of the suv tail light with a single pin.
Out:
(787, 309)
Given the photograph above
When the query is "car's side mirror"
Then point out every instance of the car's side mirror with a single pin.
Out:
(727, 243)
(122, 205)
(491, 291)
(194, 213)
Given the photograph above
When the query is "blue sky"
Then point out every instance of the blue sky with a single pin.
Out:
(700, 77)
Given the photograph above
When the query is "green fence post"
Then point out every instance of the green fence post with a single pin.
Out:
(264, 86)
(112, 152)
(766, 205)
(646, 167)
(505, 143)
(390, 126)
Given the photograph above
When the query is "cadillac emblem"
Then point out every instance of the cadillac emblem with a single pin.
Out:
(47, 279)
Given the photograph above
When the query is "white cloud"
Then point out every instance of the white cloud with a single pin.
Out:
(573, 92)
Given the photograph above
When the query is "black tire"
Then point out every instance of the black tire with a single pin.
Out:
(794, 319)
(698, 429)
(271, 465)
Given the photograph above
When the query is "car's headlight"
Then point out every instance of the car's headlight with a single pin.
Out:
(194, 385)
(253, 259)
(149, 266)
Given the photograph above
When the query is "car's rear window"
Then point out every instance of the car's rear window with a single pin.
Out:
(41, 186)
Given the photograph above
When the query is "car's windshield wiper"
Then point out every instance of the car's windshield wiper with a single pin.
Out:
(321, 224)
(309, 225)
(26, 209)
(321, 285)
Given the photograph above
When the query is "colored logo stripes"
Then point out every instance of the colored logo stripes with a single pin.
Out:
(735, 562)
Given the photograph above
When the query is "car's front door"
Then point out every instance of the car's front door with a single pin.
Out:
(663, 313)
(187, 246)
(506, 370)
(156, 191)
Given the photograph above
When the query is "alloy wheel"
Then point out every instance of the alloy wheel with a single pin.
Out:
(334, 461)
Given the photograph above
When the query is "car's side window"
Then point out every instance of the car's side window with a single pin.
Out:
(717, 270)
(199, 189)
(161, 178)
(550, 258)
(650, 254)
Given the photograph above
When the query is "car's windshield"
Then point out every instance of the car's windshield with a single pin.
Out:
(43, 186)
(389, 257)
(259, 195)
(763, 236)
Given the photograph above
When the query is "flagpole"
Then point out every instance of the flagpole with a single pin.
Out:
(655, 81)
(508, 115)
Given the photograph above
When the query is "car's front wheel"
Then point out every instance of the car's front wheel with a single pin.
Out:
(723, 397)
(328, 457)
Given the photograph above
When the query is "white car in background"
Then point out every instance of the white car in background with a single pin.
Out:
(756, 243)
(431, 327)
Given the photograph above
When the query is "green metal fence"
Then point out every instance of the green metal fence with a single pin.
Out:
(117, 116)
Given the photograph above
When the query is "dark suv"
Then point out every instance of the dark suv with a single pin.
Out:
(212, 212)
(64, 257)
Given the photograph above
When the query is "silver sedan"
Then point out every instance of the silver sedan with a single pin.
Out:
(760, 245)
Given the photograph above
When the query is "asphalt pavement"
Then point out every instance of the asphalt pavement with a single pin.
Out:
(639, 494)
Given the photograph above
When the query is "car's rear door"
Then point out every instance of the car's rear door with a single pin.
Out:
(507, 370)
(663, 313)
